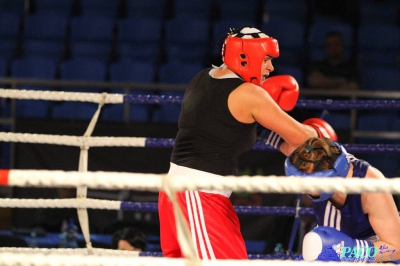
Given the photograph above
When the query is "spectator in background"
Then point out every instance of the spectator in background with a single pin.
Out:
(129, 238)
(334, 72)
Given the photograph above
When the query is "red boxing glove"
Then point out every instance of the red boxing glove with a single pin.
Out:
(322, 127)
(283, 89)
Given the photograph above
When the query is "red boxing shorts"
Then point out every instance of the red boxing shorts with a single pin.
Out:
(212, 221)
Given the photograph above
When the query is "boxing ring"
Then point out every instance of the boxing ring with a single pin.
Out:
(83, 180)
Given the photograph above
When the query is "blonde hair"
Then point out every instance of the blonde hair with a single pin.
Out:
(315, 154)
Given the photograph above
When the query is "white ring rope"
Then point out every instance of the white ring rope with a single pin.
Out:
(79, 141)
(61, 96)
(71, 251)
(37, 259)
(61, 203)
(156, 182)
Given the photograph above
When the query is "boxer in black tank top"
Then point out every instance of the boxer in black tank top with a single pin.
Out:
(210, 138)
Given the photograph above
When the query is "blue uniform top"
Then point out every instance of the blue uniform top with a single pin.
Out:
(350, 219)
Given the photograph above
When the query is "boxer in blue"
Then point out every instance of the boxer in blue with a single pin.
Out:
(351, 227)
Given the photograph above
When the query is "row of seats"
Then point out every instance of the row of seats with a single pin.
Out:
(69, 8)
(185, 39)
(95, 70)
(368, 11)
(94, 36)
(185, 36)
(176, 72)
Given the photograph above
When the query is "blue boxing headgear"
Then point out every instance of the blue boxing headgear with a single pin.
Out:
(340, 168)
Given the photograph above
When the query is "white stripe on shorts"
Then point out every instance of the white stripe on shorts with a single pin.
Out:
(198, 226)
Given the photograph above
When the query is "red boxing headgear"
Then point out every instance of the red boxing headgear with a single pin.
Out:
(244, 51)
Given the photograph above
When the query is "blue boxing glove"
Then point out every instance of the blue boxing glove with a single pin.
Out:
(328, 244)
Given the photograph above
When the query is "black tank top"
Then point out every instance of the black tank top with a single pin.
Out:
(210, 139)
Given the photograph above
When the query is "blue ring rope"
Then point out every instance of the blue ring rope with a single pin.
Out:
(303, 104)
(310, 104)
(262, 146)
(255, 210)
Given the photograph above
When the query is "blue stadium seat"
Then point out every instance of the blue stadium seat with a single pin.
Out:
(378, 120)
(95, 28)
(139, 42)
(44, 26)
(38, 68)
(61, 7)
(238, 9)
(91, 36)
(9, 25)
(186, 53)
(84, 69)
(52, 49)
(139, 29)
(382, 38)
(378, 36)
(187, 38)
(9, 33)
(45, 35)
(384, 12)
(380, 78)
(385, 58)
(3, 67)
(139, 52)
(100, 7)
(339, 119)
(7, 48)
(290, 35)
(175, 73)
(295, 71)
(193, 8)
(286, 9)
(14, 6)
(130, 71)
(94, 50)
(148, 8)
(74, 110)
(34, 67)
(80, 69)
